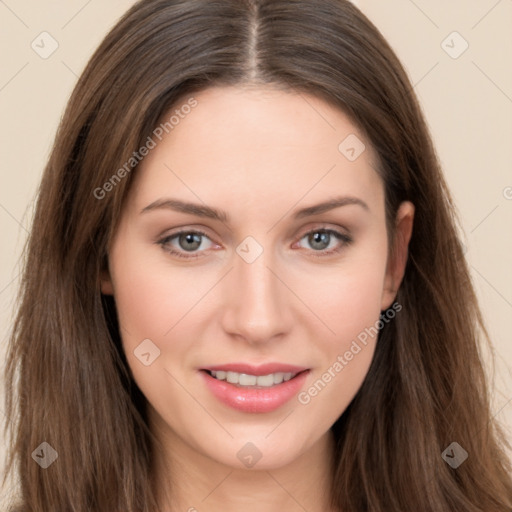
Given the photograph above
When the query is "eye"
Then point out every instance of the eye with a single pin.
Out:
(188, 242)
(321, 239)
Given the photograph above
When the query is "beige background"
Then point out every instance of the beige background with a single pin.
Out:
(467, 102)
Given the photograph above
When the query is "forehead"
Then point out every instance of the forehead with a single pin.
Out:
(263, 116)
(257, 144)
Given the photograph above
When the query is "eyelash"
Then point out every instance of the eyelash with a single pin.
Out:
(342, 237)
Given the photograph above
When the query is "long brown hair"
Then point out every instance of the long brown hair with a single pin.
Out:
(67, 378)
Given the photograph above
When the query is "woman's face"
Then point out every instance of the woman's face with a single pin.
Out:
(263, 284)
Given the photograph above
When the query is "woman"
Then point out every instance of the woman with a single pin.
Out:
(317, 347)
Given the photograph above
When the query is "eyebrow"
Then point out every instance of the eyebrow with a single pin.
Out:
(201, 210)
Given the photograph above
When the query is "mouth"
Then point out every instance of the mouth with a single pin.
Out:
(253, 389)
(246, 380)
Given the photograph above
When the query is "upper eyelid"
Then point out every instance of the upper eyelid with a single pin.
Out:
(337, 231)
(318, 226)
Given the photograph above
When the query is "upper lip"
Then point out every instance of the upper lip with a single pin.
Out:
(262, 369)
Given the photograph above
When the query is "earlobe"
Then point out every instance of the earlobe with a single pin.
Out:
(398, 254)
(106, 283)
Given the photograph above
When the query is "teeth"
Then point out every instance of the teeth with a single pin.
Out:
(244, 379)
(279, 377)
(248, 380)
(232, 378)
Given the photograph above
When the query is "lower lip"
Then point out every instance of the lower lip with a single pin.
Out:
(256, 400)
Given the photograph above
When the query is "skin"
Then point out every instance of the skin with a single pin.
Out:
(259, 154)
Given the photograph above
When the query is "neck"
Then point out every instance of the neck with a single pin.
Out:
(188, 480)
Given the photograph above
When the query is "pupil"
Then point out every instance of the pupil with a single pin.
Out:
(191, 238)
(320, 238)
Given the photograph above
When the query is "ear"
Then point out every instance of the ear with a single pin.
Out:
(398, 255)
(106, 281)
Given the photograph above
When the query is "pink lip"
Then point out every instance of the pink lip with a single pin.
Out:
(262, 369)
(255, 399)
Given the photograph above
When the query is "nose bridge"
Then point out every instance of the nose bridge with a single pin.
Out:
(255, 303)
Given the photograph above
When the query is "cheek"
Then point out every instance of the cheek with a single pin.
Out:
(348, 302)
(148, 302)
(347, 299)
(151, 297)
(353, 300)
(351, 309)
(141, 310)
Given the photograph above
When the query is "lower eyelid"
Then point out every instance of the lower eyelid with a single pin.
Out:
(167, 240)
(343, 238)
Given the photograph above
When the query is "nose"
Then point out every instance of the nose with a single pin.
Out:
(256, 301)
